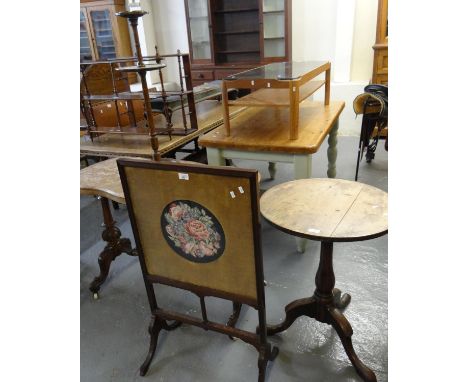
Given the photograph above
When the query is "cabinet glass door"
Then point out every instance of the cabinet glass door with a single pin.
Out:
(104, 39)
(199, 30)
(273, 28)
(85, 46)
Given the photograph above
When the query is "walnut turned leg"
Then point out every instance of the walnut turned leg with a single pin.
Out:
(115, 246)
(325, 307)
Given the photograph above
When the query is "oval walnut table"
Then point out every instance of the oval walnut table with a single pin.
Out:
(102, 179)
(327, 210)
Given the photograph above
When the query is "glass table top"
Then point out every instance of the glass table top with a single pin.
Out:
(278, 71)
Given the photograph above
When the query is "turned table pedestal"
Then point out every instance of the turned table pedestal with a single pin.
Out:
(102, 180)
(327, 210)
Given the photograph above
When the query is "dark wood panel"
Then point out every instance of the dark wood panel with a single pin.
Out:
(227, 5)
(205, 75)
(237, 35)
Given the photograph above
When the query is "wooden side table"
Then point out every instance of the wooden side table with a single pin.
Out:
(328, 210)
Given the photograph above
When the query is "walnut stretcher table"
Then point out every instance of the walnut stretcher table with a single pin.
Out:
(136, 142)
(327, 210)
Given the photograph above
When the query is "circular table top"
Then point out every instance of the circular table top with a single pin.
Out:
(327, 209)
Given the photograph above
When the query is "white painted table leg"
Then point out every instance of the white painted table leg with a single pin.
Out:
(215, 157)
(272, 169)
(302, 170)
(332, 151)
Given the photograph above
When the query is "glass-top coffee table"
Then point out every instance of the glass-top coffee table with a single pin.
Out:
(280, 84)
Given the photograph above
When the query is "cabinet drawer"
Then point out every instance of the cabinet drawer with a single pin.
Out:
(203, 75)
(198, 82)
(382, 61)
(223, 73)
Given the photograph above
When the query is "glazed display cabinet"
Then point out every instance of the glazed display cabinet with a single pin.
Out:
(228, 36)
(103, 35)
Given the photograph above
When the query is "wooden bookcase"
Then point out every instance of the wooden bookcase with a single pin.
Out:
(228, 36)
(103, 35)
(380, 71)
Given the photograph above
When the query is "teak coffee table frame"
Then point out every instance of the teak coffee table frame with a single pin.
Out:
(278, 85)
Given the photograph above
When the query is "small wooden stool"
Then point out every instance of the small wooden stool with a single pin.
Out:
(328, 210)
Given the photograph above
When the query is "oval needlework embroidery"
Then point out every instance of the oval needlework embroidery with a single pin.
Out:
(192, 231)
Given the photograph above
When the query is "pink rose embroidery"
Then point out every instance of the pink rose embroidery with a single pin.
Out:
(176, 212)
(188, 247)
(206, 249)
(197, 229)
(170, 230)
(192, 231)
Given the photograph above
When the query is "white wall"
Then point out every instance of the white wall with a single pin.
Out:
(342, 31)
(146, 33)
(171, 32)
(165, 27)
(364, 38)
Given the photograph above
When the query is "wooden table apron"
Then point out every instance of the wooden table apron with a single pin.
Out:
(252, 137)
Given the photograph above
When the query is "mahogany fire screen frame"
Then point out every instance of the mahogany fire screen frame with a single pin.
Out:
(197, 228)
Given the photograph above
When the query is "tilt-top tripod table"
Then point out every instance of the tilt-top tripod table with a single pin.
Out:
(327, 210)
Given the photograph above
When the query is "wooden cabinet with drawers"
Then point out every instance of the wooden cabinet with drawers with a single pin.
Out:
(200, 76)
(380, 71)
(103, 35)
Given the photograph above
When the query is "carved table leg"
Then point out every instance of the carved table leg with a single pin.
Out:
(115, 246)
(265, 354)
(344, 330)
(332, 151)
(154, 328)
(236, 309)
(341, 301)
(325, 306)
